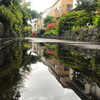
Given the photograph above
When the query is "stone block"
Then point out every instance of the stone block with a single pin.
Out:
(96, 31)
(66, 33)
(71, 37)
(77, 31)
(93, 38)
(86, 39)
(85, 32)
(90, 30)
(1, 29)
(80, 31)
(78, 37)
(6, 32)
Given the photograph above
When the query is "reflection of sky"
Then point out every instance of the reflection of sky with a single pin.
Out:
(44, 86)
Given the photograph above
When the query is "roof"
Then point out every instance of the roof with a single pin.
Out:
(52, 5)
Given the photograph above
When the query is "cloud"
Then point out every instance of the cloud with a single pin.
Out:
(41, 5)
(42, 85)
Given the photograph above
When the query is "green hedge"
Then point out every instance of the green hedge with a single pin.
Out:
(74, 19)
(40, 32)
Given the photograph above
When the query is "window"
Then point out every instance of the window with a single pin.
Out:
(69, 7)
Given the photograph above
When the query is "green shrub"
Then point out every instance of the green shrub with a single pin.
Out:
(53, 31)
(11, 17)
(40, 32)
(49, 19)
(96, 21)
(74, 19)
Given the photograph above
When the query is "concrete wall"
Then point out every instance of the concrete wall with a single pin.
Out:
(74, 3)
(6, 34)
(64, 5)
(5, 49)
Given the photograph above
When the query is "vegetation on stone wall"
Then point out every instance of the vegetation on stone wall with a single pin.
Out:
(88, 5)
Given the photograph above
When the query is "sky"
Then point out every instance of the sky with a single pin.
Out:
(40, 5)
(42, 85)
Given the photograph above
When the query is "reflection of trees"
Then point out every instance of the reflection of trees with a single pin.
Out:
(11, 77)
(72, 59)
(27, 60)
(78, 61)
(47, 55)
(86, 65)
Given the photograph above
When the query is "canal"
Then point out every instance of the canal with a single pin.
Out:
(37, 70)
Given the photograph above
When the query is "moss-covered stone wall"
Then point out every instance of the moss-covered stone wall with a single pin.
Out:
(6, 34)
(91, 34)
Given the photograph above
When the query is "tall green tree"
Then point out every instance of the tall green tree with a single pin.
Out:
(15, 11)
(88, 5)
(49, 19)
(8, 2)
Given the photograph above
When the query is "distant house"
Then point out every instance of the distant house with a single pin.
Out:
(60, 7)
(34, 25)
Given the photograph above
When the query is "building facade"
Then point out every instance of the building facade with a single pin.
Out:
(60, 7)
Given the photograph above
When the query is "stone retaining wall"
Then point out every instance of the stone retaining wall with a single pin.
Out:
(84, 34)
(6, 34)
(81, 50)
(5, 49)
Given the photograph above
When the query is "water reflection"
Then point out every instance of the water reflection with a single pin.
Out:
(42, 85)
(14, 66)
(62, 72)
(72, 70)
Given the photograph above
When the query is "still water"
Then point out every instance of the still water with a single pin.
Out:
(48, 71)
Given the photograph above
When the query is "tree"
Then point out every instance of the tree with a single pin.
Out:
(22, 8)
(34, 14)
(98, 6)
(88, 5)
(49, 19)
(8, 2)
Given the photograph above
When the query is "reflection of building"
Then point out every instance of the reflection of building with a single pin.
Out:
(34, 26)
(60, 72)
(34, 47)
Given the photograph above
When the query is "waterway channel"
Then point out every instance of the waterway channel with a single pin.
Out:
(31, 70)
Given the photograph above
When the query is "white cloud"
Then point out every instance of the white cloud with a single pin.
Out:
(41, 5)
(44, 86)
